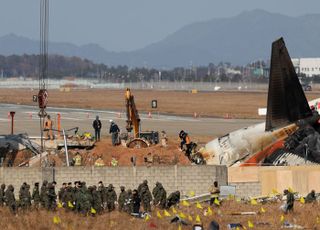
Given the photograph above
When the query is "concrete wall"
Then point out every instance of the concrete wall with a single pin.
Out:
(256, 181)
(183, 178)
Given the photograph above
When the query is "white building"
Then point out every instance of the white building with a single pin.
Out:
(307, 66)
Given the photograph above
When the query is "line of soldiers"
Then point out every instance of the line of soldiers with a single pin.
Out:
(87, 200)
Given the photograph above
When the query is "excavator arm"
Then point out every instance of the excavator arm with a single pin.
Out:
(133, 119)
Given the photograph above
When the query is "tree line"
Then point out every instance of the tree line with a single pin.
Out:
(62, 66)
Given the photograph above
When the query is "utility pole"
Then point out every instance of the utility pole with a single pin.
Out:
(43, 66)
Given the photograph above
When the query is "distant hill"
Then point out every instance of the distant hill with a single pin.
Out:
(239, 40)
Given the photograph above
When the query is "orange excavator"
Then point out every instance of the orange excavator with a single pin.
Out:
(139, 139)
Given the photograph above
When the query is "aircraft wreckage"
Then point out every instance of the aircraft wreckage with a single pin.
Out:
(290, 134)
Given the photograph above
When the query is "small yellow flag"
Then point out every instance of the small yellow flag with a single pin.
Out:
(174, 211)
(56, 220)
(190, 218)
(70, 205)
(209, 211)
(182, 215)
(302, 201)
(262, 210)
(237, 228)
(147, 218)
(198, 220)
(179, 227)
(274, 191)
(318, 220)
(59, 205)
(159, 215)
(93, 211)
(290, 189)
(281, 218)
(192, 193)
(166, 213)
(253, 202)
(216, 201)
(185, 203)
(238, 200)
(250, 224)
(198, 205)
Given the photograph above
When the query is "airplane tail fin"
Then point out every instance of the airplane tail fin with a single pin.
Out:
(287, 102)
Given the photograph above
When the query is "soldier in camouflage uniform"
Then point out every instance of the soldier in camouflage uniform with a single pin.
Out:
(111, 198)
(24, 196)
(36, 195)
(10, 199)
(69, 197)
(161, 197)
(143, 184)
(128, 204)
(122, 198)
(155, 193)
(83, 198)
(146, 198)
(51, 196)
(96, 200)
(43, 194)
(62, 193)
(103, 194)
(173, 199)
(2, 196)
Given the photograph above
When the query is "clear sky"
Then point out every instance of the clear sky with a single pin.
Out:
(121, 25)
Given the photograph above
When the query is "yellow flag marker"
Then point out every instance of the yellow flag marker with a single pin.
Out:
(182, 215)
(185, 203)
(290, 190)
(159, 215)
(253, 202)
(281, 218)
(302, 201)
(59, 205)
(93, 211)
(56, 220)
(237, 228)
(174, 210)
(147, 218)
(198, 205)
(179, 227)
(238, 200)
(262, 210)
(198, 220)
(166, 213)
(216, 201)
(209, 211)
(190, 218)
(250, 224)
(318, 220)
(70, 205)
(192, 193)
(274, 191)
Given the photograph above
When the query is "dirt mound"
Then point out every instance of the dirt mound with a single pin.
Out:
(155, 155)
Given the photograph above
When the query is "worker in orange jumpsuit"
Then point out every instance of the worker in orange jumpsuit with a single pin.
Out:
(48, 125)
(185, 140)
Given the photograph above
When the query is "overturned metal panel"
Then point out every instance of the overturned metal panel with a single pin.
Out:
(286, 100)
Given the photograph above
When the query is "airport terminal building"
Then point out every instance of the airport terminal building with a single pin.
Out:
(308, 66)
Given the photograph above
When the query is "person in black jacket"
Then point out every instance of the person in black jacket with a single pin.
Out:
(114, 131)
(135, 202)
(97, 128)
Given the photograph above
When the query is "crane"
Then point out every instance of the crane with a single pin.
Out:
(140, 139)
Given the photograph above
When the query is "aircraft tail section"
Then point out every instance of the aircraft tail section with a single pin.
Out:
(287, 102)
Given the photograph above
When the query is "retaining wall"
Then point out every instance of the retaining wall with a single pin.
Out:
(183, 178)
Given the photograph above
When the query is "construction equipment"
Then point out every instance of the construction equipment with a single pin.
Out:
(140, 139)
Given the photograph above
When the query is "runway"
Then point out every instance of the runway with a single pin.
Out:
(27, 121)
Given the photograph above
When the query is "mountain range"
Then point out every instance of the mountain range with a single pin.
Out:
(240, 40)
